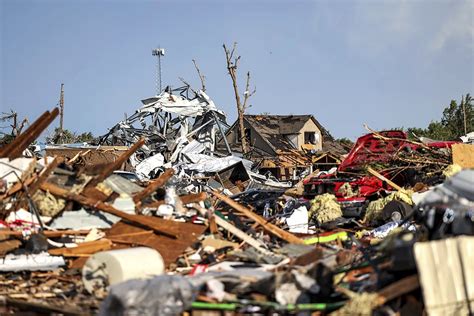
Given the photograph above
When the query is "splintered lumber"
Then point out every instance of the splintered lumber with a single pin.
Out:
(97, 204)
(28, 177)
(236, 232)
(42, 308)
(30, 135)
(47, 233)
(153, 185)
(388, 181)
(110, 168)
(280, 233)
(44, 175)
(85, 248)
(169, 248)
(185, 199)
(397, 289)
(9, 245)
(18, 186)
(41, 178)
(7, 148)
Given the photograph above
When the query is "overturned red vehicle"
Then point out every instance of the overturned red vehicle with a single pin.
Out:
(377, 150)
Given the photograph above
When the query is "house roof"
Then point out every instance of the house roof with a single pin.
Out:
(273, 128)
(334, 147)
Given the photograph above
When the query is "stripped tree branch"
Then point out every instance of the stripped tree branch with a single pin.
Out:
(201, 76)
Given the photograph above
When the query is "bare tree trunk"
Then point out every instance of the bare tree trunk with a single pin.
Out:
(241, 107)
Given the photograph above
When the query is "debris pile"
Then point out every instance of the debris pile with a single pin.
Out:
(167, 224)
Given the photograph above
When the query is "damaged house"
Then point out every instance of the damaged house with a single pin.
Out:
(282, 144)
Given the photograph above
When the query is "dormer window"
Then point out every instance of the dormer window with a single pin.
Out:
(310, 138)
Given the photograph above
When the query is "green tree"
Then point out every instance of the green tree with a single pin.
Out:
(85, 138)
(457, 120)
(346, 142)
(68, 137)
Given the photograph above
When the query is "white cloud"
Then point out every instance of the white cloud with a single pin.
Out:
(374, 27)
(458, 25)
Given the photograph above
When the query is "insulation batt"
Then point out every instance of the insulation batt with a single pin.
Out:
(324, 208)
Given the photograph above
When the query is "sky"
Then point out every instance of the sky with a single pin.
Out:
(384, 63)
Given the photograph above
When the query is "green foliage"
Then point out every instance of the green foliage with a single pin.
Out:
(346, 142)
(68, 137)
(6, 139)
(85, 137)
(451, 125)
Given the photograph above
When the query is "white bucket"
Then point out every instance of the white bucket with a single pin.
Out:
(110, 267)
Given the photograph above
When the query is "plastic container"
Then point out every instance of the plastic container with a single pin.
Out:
(110, 267)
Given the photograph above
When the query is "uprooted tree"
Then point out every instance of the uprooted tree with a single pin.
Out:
(232, 64)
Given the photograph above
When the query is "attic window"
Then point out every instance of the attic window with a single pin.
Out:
(310, 138)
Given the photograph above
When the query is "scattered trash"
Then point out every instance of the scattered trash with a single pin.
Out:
(166, 217)
(163, 295)
(31, 262)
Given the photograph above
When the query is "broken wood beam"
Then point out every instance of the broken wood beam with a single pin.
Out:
(43, 176)
(110, 168)
(97, 204)
(40, 308)
(397, 289)
(384, 179)
(16, 141)
(18, 186)
(85, 248)
(153, 186)
(236, 232)
(31, 135)
(47, 233)
(280, 233)
(185, 199)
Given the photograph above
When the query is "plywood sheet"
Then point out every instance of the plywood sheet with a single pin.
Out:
(169, 248)
(463, 155)
(446, 275)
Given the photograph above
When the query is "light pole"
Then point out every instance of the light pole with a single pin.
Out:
(158, 52)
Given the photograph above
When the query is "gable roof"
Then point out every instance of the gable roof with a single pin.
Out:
(273, 128)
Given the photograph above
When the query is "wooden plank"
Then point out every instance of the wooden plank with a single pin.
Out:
(237, 232)
(274, 230)
(9, 245)
(146, 221)
(42, 308)
(86, 248)
(185, 199)
(169, 248)
(31, 135)
(446, 275)
(153, 186)
(398, 288)
(47, 233)
(19, 138)
(33, 187)
(18, 186)
(110, 168)
(463, 155)
(388, 181)
(44, 175)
